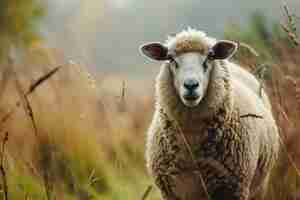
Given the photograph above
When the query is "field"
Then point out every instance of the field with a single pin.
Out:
(81, 137)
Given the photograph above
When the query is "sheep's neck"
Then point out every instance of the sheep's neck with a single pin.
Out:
(192, 120)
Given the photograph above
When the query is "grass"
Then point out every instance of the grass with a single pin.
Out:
(88, 137)
(280, 77)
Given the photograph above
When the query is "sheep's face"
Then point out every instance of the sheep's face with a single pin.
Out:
(191, 73)
(190, 70)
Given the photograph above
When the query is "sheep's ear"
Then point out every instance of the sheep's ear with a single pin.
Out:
(155, 51)
(224, 49)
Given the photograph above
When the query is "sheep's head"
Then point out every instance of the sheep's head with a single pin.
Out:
(190, 56)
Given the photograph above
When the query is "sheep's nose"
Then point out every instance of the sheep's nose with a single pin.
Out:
(191, 84)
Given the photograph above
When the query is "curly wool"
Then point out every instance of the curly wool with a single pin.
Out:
(189, 40)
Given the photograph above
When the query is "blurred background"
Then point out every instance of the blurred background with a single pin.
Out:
(106, 34)
(76, 97)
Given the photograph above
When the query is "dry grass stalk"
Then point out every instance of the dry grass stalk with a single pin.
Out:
(48, 186)
(2, 169)
(251, 115)
(122, 104)
(290, 158)
(6, 74)
(261, 70)
(28, 108)
(285, 116)
(147, 192)
(25, 103)
(247, 46)
(24, 96)
(260, 73)
(31, 89)
(40, 80)
(9, 114)
(290, 26)
(123, 91)
(92, 179)
(293, 36)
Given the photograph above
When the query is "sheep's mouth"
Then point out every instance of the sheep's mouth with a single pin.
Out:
(191, 97)
(191, 100)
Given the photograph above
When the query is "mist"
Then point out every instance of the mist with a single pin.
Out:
(106, 35)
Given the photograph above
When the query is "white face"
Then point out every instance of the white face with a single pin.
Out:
(191, 74)
(191, 71)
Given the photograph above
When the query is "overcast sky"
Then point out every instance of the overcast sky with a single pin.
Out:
(106, 34)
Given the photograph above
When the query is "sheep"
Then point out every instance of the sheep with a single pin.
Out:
(230, 139)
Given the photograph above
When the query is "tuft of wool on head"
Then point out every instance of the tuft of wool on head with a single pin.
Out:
(190, 40)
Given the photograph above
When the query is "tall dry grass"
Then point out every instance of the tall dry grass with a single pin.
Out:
(81, 142)
(88, 136)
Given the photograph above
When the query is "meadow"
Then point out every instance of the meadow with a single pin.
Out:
(77, 136)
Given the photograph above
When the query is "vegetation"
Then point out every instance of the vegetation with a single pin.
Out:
(278, 69)
(19, 20)
(73, 137)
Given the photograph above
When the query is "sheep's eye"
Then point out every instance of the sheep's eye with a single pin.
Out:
(173, 61)
(205, 66)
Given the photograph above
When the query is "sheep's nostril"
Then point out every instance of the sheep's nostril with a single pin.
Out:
(191, 84)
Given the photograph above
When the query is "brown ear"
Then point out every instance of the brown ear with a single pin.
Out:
(155, 51)
(224, 49)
